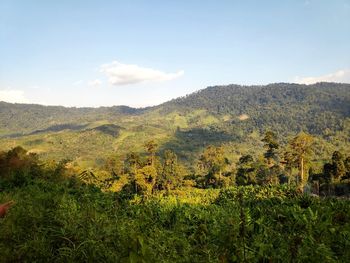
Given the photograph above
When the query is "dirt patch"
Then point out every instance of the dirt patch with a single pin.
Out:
(243, 117)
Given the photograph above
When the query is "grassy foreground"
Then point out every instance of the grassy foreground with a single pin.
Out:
(66, 221)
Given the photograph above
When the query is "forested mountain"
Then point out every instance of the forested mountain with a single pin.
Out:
(283, 107)
(221, 175)
(215, 115)
(26, 118)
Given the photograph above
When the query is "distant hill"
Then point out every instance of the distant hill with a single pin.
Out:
(226, 115)
(18, 119)
(283, 107)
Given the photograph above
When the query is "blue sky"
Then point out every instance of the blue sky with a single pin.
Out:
(140, 53)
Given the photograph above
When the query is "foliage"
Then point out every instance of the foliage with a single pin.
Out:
(187, 125)
(68, 221)
(128, 187)
(271, 145)
(300, 147)
(172, 173)
(213, 162)
(314, 108)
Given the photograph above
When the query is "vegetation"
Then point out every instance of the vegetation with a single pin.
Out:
(61, 219)
(251, 215)
(222, 175)
(219, 116)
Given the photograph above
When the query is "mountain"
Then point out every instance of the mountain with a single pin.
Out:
(231, 114)
(20, 119)
(282, 107)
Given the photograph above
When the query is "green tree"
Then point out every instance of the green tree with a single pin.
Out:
(151, 148)
(213, 162)
(338, 170)
(114, 166)
(170, 176)
(246, 172)
(18, 165)
(288, 163)
(271, 145)
(132, 163)
(328, 172)
(20, 159)
(145, 180)
(301, 149)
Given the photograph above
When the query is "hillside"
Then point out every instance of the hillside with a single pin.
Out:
(283, 107)
(232, 115)
(20, 119)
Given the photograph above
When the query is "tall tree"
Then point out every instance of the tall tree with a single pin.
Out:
(301, 149)
(170, 175)
(288, 162)
(271, 145)
(328, 172)
(132, 163)
(145, 180)
(213, 162)
(338, 166)
(246, 172)
(151, 148)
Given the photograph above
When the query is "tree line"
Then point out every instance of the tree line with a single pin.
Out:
(153, 172)
(292, 165)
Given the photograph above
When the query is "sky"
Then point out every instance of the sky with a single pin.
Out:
(145, 52)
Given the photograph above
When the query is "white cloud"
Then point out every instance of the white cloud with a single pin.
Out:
(342, 76)
(13, 96)
(95, 83)
(124, 74)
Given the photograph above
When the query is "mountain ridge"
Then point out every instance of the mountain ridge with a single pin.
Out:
(256, 102)
(214, 115)
(174, 99)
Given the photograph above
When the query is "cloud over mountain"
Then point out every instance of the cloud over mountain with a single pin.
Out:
(124, 74)
(341, 76)
(13, 96)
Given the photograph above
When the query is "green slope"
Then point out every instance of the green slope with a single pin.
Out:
(232, 115)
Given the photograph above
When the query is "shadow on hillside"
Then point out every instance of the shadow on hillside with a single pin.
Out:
(54, 128)
(187, 144)
(60, 127)
(108, 129)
